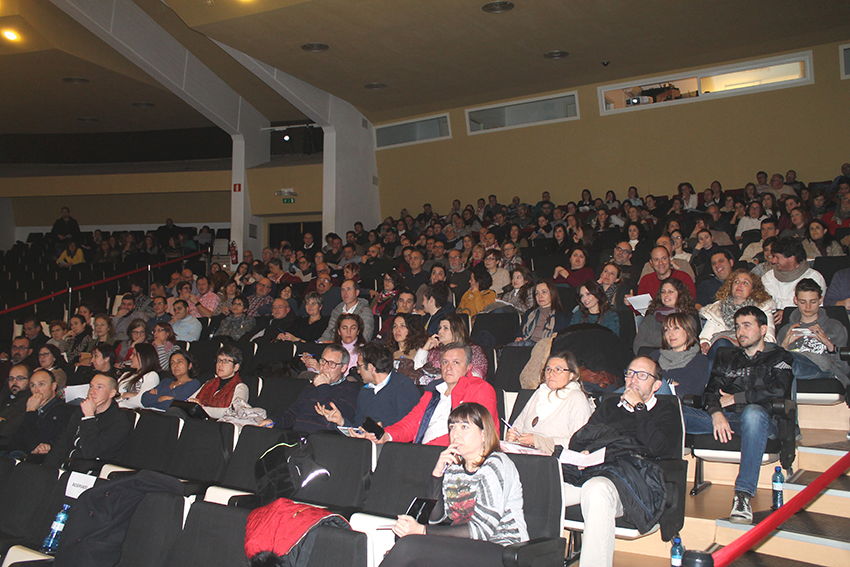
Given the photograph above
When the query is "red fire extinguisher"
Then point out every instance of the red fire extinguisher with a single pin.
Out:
(234, 253)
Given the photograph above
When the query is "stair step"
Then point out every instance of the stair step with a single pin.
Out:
(803, 478)
(755, 559)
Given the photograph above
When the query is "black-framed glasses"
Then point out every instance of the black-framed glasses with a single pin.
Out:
(329, 363)
(641, 375)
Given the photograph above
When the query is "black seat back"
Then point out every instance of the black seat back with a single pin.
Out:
(153, 531)
(503, 326)
(203, 451)
(349, 462)
(252, 443)
(541, 494)
(403, 473)
(213, 535)
(152, 442)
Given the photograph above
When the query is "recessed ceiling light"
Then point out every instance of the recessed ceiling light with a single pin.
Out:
(375, 86)
(315, 47)
(87, 119)
(557, 54)
(10, 35)
(498, 7)
(143, 104)
(75, 80)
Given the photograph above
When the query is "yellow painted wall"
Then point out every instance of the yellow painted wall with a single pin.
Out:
(727, 139)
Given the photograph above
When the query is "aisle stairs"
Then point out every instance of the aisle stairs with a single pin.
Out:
(817, 535)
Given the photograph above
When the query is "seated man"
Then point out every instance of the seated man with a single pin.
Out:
(125, 315)
(205, 302)
(839, 290)
(676, 263)
(34, 332)
(329, 388)
(404, 304)
(387, 396)
(789, 267)
(435, 305)
(661, 270)
(97, 430)
(186, 327)
(812, 338)
(160, 312)
(743, 381)
(282, 321)
(636, 414)
(13, 402)
(428, 421)
(751, 253)
(351, 303)
(259, 304)
(45, 419)
(722, 264)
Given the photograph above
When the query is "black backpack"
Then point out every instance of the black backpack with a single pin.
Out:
(285, 469)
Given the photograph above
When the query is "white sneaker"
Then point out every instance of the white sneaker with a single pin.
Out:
(742, 511)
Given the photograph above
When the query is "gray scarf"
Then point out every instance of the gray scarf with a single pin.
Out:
(728, 310)
(793, 275)
(671, 360)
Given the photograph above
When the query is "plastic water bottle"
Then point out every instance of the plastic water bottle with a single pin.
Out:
(676, 552)
(778, 481)
(51, 542)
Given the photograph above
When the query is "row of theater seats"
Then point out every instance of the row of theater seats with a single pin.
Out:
(213, 533)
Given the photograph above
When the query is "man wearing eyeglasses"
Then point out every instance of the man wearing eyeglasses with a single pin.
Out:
(744, 380)
(13, 402)
(21, 353)
(655, 427)
(329, 389)
(262, 297)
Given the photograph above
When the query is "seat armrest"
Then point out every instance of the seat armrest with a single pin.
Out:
(20, 555)
(250, 501)
(696, 402)
(782, 407)
(541, 551)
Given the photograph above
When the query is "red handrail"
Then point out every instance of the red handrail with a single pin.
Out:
(726, 555)
(92, 284)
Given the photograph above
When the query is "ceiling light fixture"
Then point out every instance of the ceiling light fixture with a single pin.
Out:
(557, 54)
(498, 7)
(10, 35)
(375, 86)
(75, 80)
(143, 104)
(315, 47)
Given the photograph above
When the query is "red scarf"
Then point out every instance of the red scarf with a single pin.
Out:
(212, 397)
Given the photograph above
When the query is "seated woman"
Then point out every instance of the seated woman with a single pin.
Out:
(479, 295)
(611, 281)
(558, 408)
(476, 257)
(703, 251)
(138, 333)
(741, 289)
(216, 395)
(820, 242)
(500, 276)
(408, 336)
(478, 488)
(163, 342)
(237, 324)
(384, 301)
(348, 333)
(228, 293)
(71, 256)
(142, 376)
(49, 358)
(453, 329)
(104, 331)
(686, 368)
(545, 318)
(309, 329)
(578, 271)
(672, 297)
(520, 295)
(562, 240)
(677, 237)
(58, 328)
(181, 386)
(541, 229)
(76, 340)
(593, 307)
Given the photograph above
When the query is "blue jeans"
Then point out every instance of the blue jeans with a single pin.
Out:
(754, 425)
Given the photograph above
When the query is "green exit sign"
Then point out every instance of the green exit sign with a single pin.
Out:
(288, 200)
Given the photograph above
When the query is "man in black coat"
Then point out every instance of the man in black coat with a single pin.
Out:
(13, 402)
(45, 418)
(97, 430)
(637, 415)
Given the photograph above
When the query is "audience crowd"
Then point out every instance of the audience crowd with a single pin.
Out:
(696, 287)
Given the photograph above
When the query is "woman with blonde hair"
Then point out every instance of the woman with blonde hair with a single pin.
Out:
(558, 408)
(741, 289)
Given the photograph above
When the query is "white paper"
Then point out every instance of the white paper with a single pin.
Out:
(581, 460)
(76, 393)
(508, 447)
(640, 302)
(78, 483)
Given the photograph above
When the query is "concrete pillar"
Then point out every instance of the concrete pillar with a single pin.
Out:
(131, 32)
